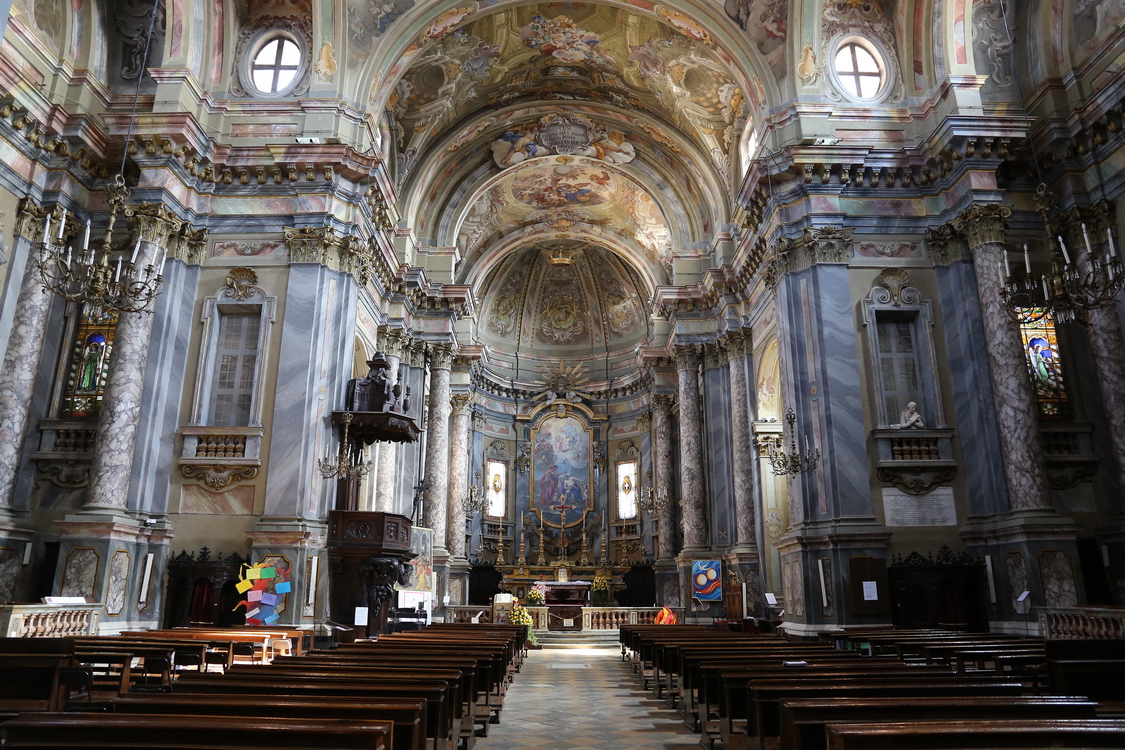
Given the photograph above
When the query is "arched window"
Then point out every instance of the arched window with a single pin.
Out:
(497, 491)
(627, 490)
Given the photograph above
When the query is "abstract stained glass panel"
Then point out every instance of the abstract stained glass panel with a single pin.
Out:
(1045, 367)
(89, 363)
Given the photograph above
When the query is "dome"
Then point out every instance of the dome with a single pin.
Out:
(541, 311)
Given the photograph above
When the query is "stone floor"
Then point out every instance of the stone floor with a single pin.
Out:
(583, 699)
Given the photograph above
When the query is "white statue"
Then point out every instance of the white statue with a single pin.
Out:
(910, 419)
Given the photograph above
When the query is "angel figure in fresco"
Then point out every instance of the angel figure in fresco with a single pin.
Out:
(515, 146)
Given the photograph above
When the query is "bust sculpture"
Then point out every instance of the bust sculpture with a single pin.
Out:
(910, 419)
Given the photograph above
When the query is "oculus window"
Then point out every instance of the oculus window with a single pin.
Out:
(276, 65)
(859, 70)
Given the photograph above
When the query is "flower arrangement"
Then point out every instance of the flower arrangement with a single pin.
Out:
(521, 616)
(601, 583)
(601, 591)
(535, 598)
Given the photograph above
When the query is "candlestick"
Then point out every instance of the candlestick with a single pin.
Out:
(1046, 293)
(1026, 259)
(1007, 266)
(1066, 255)
(1112, 249)
(47, 230)
(136, 249)
(1086, 238)
(68, 251)
(86, 239)
(62, 224)
(117, 276)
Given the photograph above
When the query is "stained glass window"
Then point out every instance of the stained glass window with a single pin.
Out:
(89, 363)
(497, 490)
(234, 370)
(627, 490)
(1040, 345)
(898, 365)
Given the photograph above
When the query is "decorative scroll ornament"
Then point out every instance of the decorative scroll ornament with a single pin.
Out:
(218, 476)
(241, 283)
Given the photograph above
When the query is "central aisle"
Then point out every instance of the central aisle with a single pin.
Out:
(577, 699)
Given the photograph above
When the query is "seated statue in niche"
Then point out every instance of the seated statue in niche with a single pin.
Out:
(910, 419)
(375, 392)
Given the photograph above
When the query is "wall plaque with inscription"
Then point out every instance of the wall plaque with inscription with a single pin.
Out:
(933, 509)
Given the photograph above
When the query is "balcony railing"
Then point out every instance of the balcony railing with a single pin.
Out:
(1070, 623)
(49, 620)
(593, 618)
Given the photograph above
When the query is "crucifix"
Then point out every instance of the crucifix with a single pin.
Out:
(562, 508)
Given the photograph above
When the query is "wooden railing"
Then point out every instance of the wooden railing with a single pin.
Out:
(1069, 623)
(49, 620)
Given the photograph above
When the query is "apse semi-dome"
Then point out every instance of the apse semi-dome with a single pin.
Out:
(540, 310)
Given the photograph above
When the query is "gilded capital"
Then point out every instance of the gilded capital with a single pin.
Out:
(715, 355)
(460, 403)
(441, 357)
(738, 342)
(686, 357)
(29, 220)
(393, 341)
(945, 245)
(982, 223)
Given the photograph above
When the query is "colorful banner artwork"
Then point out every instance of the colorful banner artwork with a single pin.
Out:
(707, 580)
(265, 584)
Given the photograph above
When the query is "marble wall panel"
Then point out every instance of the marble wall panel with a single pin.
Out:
(9, 573)
(1015, 565)
(237, 501)
(717, 458)
(118, 583)
(793, 579)
(1056, 572)
(967, 369)
(80, 573)
(164, 384)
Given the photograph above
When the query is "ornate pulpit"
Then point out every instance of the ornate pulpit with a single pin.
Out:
(368, 553)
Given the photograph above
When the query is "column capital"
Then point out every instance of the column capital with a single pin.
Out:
(460, 402)
(29, 220)
(662, 403)
(441, 357)
(686, 357)
(393, 341)
(716, 355)
(155, 223)
(945, 245)
(738, 342)
(190, 245)
(982, 223)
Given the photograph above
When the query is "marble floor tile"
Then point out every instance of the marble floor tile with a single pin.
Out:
(585, 700)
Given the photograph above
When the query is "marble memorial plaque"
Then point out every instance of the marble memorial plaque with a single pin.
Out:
(934, 509)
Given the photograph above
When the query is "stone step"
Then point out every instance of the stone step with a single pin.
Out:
(580, 639)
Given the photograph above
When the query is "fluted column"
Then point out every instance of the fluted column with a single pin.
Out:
(1107, 341)
(392, 342)
(112, 463)
(743, 456)
(458, 475)
(437, 448)
(25, 346)
(983, 226)
(691, 449)
(662, 474)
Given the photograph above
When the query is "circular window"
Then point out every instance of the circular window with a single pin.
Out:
(276, 66)
(859, 70)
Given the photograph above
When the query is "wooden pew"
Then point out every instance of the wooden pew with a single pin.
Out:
(32, 682)
(408, 716)
(763, 718)
(439, 721)
(106, 731)
(803, 722)
(973, 735)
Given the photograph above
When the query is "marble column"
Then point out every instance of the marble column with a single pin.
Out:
(1107, 342)
(662, 474)
(392, 342)
(983, 226)
(21, 358)
(743, 458)
(458, 475)
(691, 450)
(111, 467)
(437, 448)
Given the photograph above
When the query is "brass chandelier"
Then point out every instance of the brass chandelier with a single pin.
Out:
(348, 463)
(793, 461)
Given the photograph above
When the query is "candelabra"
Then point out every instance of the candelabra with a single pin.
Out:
(522, 559)
(477, 500)
(92, 278)
(793, 462)
(542, 547)
(345, 465)
(1071, 289)
(653, 502)
(500, 544)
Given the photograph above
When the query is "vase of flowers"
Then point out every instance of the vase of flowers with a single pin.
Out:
(521, 616)
(536, 595)
(601, 591)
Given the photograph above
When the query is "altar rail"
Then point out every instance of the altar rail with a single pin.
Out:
(1059, 623)
(49, 620)
(593, 618)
